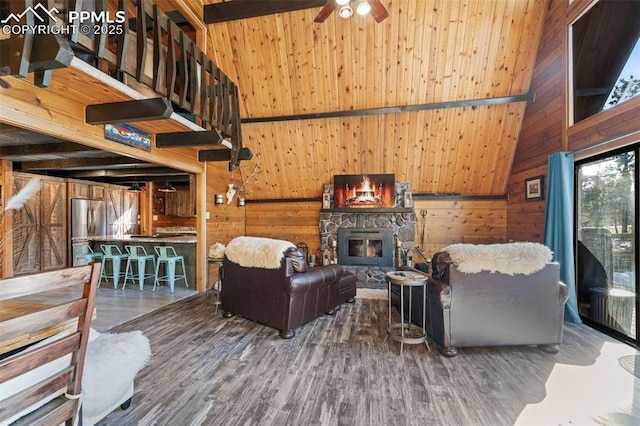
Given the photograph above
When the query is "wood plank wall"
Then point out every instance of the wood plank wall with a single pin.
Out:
(542, 128)
(225, 221)
(449, 221)
(290, 221)
(459, 220)
(545, 129)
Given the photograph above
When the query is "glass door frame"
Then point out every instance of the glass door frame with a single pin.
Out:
(635, 342)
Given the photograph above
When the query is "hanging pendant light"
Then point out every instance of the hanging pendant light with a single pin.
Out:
(135, 187)
(167, 187)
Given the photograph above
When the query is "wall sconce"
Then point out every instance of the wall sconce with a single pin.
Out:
(219, 199)
(240, 202)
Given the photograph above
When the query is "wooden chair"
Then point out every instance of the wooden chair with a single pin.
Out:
(28, 315)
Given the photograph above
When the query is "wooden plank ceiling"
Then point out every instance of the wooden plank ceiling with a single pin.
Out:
(425, 52)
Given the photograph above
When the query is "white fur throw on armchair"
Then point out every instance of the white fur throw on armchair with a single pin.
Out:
(510, 258)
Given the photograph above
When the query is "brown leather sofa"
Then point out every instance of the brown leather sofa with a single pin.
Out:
(495, 309)
(288, 297)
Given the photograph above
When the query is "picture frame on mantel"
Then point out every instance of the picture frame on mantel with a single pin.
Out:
(534, 188)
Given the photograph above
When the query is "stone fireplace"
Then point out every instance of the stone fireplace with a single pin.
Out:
(398, 230)
(365, 246)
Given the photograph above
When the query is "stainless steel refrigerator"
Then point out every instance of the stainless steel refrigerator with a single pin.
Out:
(88, 219)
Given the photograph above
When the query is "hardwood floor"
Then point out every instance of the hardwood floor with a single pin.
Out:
(115, 307)
(343, 370)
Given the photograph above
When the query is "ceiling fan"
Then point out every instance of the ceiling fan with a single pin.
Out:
(374, 7)
(241, 9)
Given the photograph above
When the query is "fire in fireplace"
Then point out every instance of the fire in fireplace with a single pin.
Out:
(365, 246)
(364, 191)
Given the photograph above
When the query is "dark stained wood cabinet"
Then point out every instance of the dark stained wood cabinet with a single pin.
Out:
(40, 227)
(179, 203)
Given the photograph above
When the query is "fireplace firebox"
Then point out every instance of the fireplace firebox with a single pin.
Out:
(365, 246)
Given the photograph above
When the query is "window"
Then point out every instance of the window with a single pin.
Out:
(605, 44)
(607, 238)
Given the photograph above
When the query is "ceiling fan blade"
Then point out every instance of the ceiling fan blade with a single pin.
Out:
(326, 11)
(378, 11)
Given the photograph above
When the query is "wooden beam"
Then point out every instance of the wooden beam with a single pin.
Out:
(82, 163)
(232, 10)
(12, 152)
(142, 173)
(171, 140)
(129, 111)
(224, 155)
(397, 109)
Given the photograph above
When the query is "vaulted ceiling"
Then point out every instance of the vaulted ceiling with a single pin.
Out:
(435, 93)
(436, 55)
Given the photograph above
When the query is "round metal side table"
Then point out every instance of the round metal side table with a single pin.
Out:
(404, 331)
(216, 288)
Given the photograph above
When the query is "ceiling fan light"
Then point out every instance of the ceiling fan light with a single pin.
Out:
(346, 12)
(342, 2)
(363, 7)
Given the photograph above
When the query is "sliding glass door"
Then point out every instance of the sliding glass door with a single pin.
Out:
(607, 239)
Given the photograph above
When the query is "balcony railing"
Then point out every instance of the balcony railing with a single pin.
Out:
(133, 41)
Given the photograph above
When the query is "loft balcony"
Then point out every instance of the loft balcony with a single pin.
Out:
(112, 55)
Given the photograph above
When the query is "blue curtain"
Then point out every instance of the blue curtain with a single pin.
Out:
(558, 225)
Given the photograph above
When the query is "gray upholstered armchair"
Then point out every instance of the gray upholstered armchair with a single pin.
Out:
(488, 308)
(493, 309)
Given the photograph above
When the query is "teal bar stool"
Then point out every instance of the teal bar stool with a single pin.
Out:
(167, 256)
(111, 253)
(82, 254)
(138, 256)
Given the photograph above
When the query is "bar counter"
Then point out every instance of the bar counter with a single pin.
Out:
(184, 245)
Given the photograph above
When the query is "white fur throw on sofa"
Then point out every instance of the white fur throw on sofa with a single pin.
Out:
(257, 252)
(510, 258)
